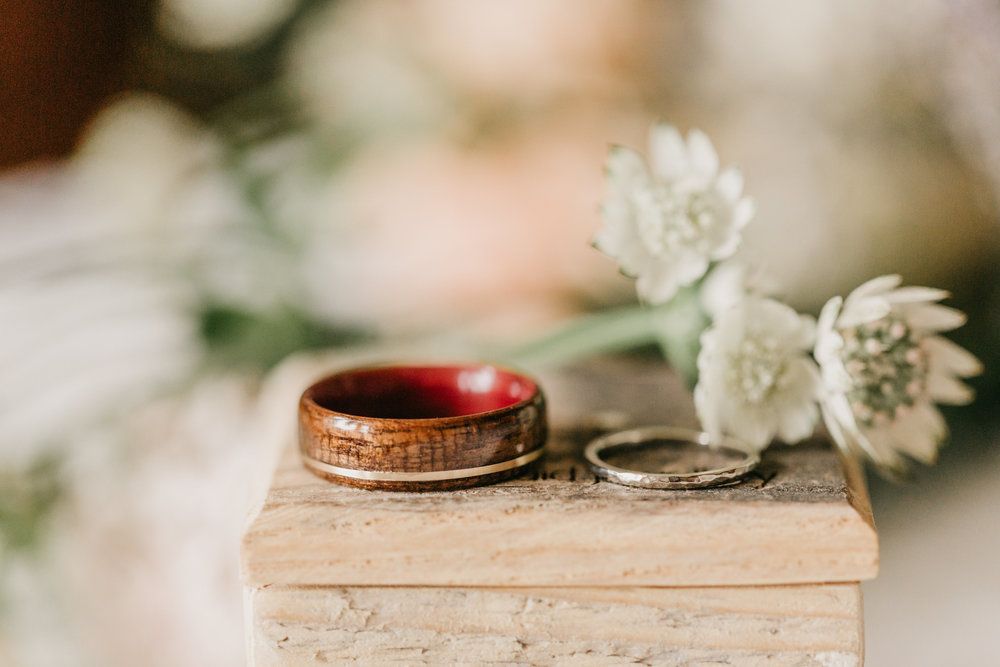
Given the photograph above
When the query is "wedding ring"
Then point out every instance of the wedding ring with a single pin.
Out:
(422, 428)
(744, 460)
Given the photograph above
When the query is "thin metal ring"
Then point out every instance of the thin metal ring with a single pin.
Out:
(432, 476)
(670, 480)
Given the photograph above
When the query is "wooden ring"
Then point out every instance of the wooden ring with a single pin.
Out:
(422, 428)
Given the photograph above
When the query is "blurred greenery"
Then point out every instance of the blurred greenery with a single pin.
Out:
(26, 500)
(242, 339)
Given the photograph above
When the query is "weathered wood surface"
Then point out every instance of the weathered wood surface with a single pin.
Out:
(800, 520)
(782, 625)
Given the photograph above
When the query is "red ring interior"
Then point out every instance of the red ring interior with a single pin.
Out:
(422, 392)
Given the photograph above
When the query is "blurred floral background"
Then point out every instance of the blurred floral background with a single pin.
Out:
(198, 193)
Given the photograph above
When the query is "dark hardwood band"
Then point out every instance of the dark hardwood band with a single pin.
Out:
(483, 445)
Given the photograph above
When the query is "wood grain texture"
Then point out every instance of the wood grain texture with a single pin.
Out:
(800, 519)
(785, 625)
(371, 419)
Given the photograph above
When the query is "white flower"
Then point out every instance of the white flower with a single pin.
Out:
(884, 367)
(756, 379)
(729, 283)
(666, 224)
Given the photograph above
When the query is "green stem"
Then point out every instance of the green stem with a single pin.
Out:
(610, 331)
(674, 326)
(678, 327)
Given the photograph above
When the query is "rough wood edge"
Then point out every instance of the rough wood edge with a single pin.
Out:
(817, 625)
(302, 540)
(819, 544)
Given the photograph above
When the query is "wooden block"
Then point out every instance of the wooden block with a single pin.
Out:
(801, 521)
(804, 517)
(558, 567)
(782, 625)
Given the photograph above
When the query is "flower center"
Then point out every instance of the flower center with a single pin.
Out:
(887, 367)
(668, 217)
(755, 369)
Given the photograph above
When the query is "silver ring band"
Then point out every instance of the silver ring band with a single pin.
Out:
(434, 476)
(696, 479)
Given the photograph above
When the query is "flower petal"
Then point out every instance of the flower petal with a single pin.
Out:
(840, 409)
(727, 248)
(618, 237)
(837, 432)
(865, 445)
(948, 390)
(625, 169)
(916, 295)
(752, 428)
(828, 316)
(689, 267)
(730, 184)
(876, 286)
(912, 438)
(845, 434)
(951, 358)
(708, 413)
(704, 160)
(744, 212)
(803, 379)
(668, 152)
(773, 318)
(657, 282)
(798, 424)
(806, 337)
(723, 288)
(931, 420)
(863, 311)
(879, 443)
(932, 316)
